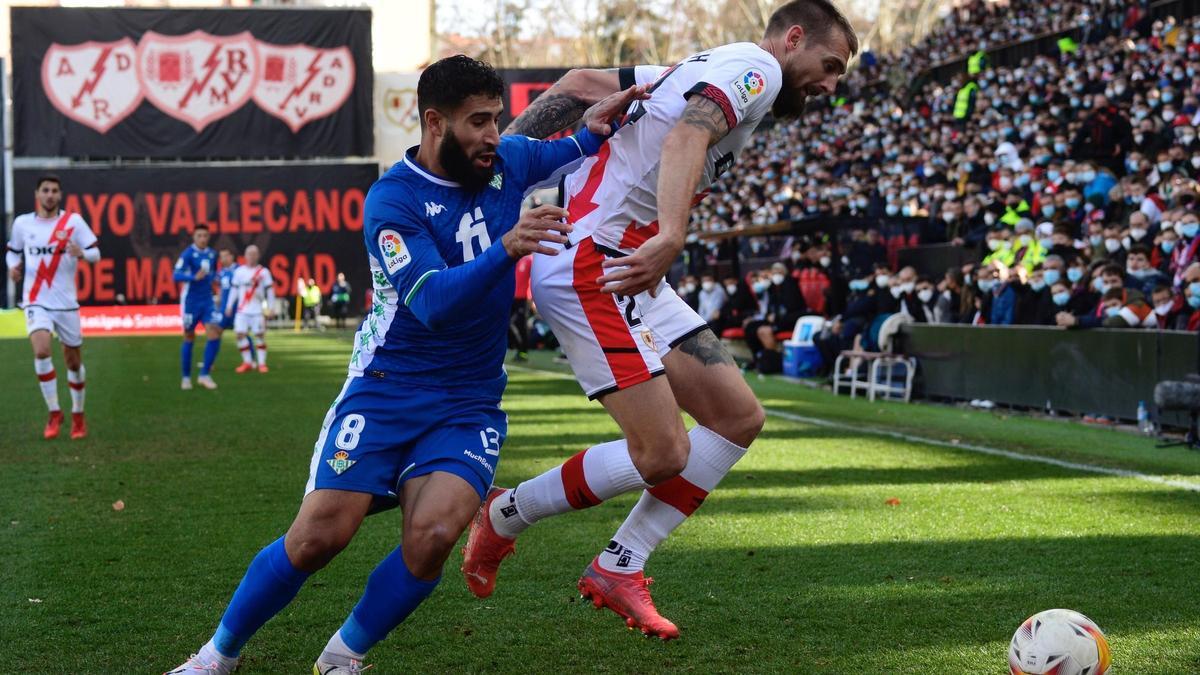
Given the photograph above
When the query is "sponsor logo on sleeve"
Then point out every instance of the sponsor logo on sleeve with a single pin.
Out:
(750, 84)
(395, 252)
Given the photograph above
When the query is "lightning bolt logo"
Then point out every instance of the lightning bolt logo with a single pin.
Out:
(46, 271)
(313, 71)
(89, 85)
(210, 68)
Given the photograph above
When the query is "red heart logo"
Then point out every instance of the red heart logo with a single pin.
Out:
(93, 83)
(197, 78)
(299, 84)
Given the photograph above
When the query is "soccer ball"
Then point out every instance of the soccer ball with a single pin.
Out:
(1058, 642)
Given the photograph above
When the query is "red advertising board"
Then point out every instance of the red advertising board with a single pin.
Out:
(130, 320)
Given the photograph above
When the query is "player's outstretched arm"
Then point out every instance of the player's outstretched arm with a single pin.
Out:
(563, 104)
(681, 165)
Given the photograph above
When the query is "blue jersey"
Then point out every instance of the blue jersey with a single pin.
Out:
(196, 294)
(225, 280)
(443, 283)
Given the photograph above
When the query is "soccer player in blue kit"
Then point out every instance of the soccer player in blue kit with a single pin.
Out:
(196, 269)
(418, 421)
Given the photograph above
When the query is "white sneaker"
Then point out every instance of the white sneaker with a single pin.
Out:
(323, 668)
(206, 381)
(186, 385)
(196, 665)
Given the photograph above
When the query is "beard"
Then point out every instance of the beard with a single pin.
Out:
(460, 168)
(788, 107)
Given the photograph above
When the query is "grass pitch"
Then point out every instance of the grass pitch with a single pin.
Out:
(795, 563)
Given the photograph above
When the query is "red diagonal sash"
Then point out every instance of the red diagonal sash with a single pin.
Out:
(253, 285)
(59, 237)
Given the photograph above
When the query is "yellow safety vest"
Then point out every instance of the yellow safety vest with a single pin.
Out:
(1011, 216)
(962, 102)
(975, 63)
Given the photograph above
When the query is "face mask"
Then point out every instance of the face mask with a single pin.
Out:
(1168, 245)
(1062, 297)
(825, 261)
(995, 244)
(1096, 239)
(1131, 166)
(859, 284)
(1005, 184)
(1060, 148)
(1037, 285)
(925, 294)
(761, 287)
(897, 291)
(1137, 233)
(1047, 210)
(1112, 245)
(1194, 301)
(948, 217)
(1112, 311)
(707, 286)
(1072, 203)
(986, 285)
(689, 288)
(1189, 229)
(731, 289)
(892, 209)
(1053, 175)
(1087, 176)
(777, 279)
(1099, 285)
(881, 280)
(1025, 240)
(1187, 140)
(1164, 167)
(1051, 277)
(1194, 288)
(989, 218)
(1074, 274)
(1164, 309)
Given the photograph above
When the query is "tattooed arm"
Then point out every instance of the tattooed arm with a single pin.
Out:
(563, 104)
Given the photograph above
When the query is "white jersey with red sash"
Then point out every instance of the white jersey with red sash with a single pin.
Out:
(251, 286)
(48, 268)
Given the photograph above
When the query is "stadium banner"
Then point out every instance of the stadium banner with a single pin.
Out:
(305, 219)
(522, 86)
(131, 320)
(196, 83)
(397, 124)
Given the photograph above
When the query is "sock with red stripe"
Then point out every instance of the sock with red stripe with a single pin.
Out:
(75, 382)
(601, 472)
(665, 506)
(185, 358)
(48, 381)
(244, 345)
(260, 349)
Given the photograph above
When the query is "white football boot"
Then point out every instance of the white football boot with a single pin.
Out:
(323, 668)
(186, 385)
(198, 664)
(206, 381)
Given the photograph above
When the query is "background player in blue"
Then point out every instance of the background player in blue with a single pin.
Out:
(196, 269)
(418, 421)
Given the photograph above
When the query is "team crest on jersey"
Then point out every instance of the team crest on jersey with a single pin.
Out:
(341, 461)
(497, 182)
(648, 338)
(395, 252)
(750, 84)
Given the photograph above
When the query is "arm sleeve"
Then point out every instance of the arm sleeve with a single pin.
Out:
(269, 292)
(182, 273)
(86, 240)
(742, 81)
(16, 245)
(536, 160)
(451, 293)
(231, 298)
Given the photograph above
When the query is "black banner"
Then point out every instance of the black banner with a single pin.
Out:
(306, 220)
(522, 86)
(191, 83)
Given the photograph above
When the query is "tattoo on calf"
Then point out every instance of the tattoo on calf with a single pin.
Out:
(706, 349)
(548, 114)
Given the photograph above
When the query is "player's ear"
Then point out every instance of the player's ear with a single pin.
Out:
(435, 121)
(796, 37)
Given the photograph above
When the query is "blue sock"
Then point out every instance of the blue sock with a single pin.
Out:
(269, 585)
(211, 347)
(185, 358)
(392, 594)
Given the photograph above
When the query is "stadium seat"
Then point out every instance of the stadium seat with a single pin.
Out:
(733, 334)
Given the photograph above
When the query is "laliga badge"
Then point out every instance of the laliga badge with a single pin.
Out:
(340, 462)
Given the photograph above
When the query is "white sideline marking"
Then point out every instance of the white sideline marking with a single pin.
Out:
(981, 449)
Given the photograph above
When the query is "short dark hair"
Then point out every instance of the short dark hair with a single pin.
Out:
(1111, 270)
(47, 178)
(1140, 249)
(818, 17)
(1115, 294)
(445, 84)
(1161, 289)
(201, 226)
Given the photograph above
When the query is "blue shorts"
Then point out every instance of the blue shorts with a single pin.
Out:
(201, 313)
(380, 432)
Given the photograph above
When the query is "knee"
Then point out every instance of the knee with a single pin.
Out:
(311, 548)
(663, 460)
(738, 421)
(427, 544)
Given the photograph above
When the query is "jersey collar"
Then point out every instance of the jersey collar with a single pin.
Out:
(412, 164)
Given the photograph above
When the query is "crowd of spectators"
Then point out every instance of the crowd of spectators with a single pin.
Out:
(1071, 182)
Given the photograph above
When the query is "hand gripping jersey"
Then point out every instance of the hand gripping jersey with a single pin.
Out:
(196, 295)
(251, 286)
(612, 196)
(48, 268)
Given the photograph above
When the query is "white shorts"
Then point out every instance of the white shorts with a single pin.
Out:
(613, 342)
(64, 323)
(248, 323)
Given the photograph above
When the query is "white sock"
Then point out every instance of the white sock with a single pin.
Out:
(337, 653)
(48, 382)
(665, 506)
(260, 348)
(75, 382)
(208, 653)
(601, 472)
(243, 344)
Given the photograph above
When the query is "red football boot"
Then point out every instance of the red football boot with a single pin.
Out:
(78, 426)
(626, 595)
(244, 368)
(53, 425)
(484, 550)
(263, 369)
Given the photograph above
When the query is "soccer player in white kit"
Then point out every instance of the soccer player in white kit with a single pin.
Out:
(616, 318)
(46, 246)
(252, 286)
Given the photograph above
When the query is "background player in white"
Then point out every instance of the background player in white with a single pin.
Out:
(617, 320)
(46, 246)
(252, 285)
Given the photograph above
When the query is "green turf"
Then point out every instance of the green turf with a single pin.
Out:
(795, 564)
